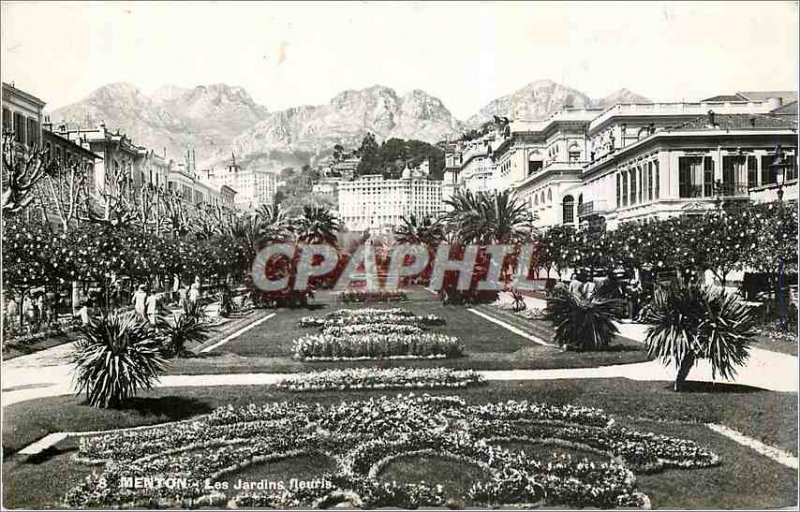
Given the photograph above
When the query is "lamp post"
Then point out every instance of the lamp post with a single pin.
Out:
(779, 165)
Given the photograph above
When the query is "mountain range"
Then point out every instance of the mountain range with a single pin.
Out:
(218, 120)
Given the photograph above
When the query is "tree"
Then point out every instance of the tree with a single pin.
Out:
(370, 162)
(488, 218)
(316, 226)
(427, 231)
(690, 322)
(22, 171)
(724, 238)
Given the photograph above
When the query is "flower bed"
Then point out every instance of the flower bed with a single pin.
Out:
(363, 437)
(359, 296)
(375, 378)
(322, 347)
(370, 316)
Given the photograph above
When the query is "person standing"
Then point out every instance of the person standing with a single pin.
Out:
(194, 293)
(11, 311)
(139, 301)
(183, 296)
(152, 308)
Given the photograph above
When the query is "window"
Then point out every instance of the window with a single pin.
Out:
(624, 189)
(33, 132)
(534, 166)
(690, 172)
(767, 173)
(7, 124)
(569, 210)
(752, 171)
(657, 180)
(708, 176)
(649, 181)
(640, 190)
(619, 191)
(19, 128)
(632, 174)
(549, 196)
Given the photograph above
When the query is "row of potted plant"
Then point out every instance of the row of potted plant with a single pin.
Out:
(363, 438)
(381, 378)
(322, 347)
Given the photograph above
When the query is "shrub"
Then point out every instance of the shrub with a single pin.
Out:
(189, 326)
(692, 322)
(582, 322)
(115, 357)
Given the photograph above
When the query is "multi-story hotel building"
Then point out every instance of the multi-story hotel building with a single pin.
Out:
(374, 203)
(253, 187)
(636, 162)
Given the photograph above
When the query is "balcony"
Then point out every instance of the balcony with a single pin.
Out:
(592, 208)
(710, 191)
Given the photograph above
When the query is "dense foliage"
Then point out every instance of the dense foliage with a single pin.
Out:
(391, 157)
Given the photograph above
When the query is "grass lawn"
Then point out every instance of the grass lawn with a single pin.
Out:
(487, 346)
(12, 350)
(745, 479)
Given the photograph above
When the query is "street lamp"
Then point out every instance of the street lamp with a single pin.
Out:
(780, 165)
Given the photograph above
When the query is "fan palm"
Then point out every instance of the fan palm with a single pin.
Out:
(273, 223)
(427, 231)
(115, 357)
(317, 225)
(488, 217)
(691, 322)
(582, 322)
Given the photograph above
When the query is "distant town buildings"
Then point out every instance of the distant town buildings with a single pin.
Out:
(377, 204)
(254, 187)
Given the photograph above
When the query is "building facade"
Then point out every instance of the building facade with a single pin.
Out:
(637, 162)
(22, 115)
(374, 203)
(253, 187)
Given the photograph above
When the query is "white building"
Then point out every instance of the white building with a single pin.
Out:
(377, 204)
(469, 166)
(253, 187)
(637, 162)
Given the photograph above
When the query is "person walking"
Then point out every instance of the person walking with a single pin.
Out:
(139, 301)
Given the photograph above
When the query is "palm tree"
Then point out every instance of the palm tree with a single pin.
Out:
(488, 218)
(691, 322)
(274, 224)
(317, 225)
(428, 231)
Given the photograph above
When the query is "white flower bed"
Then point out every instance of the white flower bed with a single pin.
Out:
(367, 333)
(363, 437)
(376, 378)
(322, 347)
(370, 316)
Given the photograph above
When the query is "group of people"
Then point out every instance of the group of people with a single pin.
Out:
(148, 305)
(38, 308)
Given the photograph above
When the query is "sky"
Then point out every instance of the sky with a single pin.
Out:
(465, 53)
